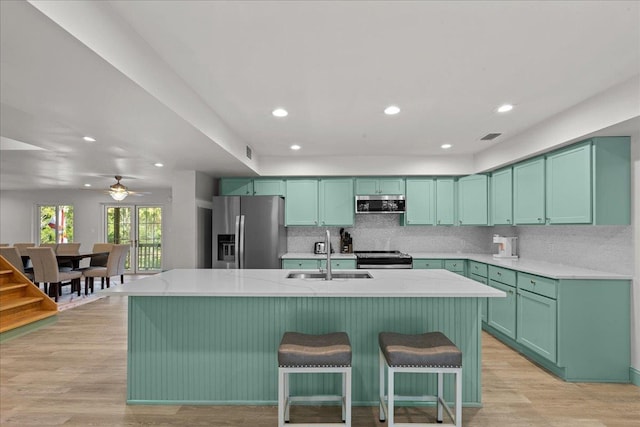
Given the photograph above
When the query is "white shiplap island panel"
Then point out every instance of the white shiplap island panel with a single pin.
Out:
(211, 336)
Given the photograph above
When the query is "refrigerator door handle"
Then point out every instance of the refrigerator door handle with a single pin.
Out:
(241, 243)
(237, 243)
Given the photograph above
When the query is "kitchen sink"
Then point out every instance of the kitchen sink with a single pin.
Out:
(336, 275)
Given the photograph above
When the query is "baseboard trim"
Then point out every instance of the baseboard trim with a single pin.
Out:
(634, 375)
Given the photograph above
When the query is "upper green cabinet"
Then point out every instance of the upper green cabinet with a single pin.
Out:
(611, 180)
(528, 192)
(445, 201)
(420, 201)
(337, 202)
(236, 187)
(568, 190)
(369, 186)
(269, 187)
(472, 200)
(301, 202)
(501, 205)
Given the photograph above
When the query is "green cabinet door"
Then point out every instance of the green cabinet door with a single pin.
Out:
(269, 187)
(528, 192)
(536, 325)
(301, 206)
(300, 264)
(339, 264)
(502, 197)
(472, 200)
(420, 202)
(236, 187)
(502, 311)
(427, 264)
(484, 302)
(445, 201)
(337, 203)
(372, 186)
(568, 194)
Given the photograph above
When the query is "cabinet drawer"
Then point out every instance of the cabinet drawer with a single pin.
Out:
(538, 284)
(478, 268)
(305, 264)
(339, 264)
(502, 275)
(427, 263)
(477, 278)
(455, 265)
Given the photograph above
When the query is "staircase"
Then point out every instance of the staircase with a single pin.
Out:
(21, 302)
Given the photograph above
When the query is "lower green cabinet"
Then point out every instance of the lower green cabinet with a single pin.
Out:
(303, 264)
(455, 265)
(536, 328)
(484, 303)
(315, 264)
(502, 311)
(424, 264)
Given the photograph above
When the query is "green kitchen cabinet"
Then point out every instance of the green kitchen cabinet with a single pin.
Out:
(455, 266)
(484, 303)
(301, 206)
(420, 201)
(536, 324)
(472, 200)
(529, 192)
(339, 264)
(427, 264)
(236, 187)
(611, 180)
(337, 204)
(502, 197)
(269, 187)
(445, 201)
(502, 311)
(372, 186)
(568, 185)
(300, 264)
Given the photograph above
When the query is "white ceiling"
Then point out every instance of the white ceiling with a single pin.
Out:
(191, 83)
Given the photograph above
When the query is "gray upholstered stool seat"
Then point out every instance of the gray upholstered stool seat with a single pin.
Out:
(298, 349)
(427, 353)
(302, 354)
(430, 349)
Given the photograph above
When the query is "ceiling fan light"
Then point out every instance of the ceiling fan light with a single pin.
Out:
(118, 195)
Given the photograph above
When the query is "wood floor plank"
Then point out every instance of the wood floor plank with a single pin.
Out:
(73, 373)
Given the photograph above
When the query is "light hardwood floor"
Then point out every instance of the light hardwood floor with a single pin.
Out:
(73, 373)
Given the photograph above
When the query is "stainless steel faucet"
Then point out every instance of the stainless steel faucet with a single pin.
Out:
(327, 245)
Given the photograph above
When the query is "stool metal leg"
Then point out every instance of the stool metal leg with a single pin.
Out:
(347, 397)
(287, 395)
(281, 397)
(381, 365)
(390, 395)
(440, 396)
(459, 398)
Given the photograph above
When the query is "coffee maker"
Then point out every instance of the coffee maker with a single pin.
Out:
(506, 247)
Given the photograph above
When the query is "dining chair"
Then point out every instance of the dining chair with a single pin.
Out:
(45, 269)
(11, 254)
(22, 250)
(3, 245)
(68, 249)
(100, 260)
(53, 246)
(115, 267)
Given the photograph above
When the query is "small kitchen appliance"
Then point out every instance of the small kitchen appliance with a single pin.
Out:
(319, 248)
(506, 247)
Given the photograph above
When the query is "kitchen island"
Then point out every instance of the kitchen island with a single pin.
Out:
(211, 336)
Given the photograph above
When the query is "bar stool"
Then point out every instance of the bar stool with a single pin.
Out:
(303, 353)
(432, 352)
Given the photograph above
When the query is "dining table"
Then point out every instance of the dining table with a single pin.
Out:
(66, 258)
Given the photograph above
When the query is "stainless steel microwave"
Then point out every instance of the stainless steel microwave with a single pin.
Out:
(380, 204)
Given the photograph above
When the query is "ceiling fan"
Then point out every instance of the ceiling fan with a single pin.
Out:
(119, 192)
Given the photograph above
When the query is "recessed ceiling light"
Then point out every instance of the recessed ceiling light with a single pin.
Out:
(295, 147)
(280, 112)
(89, 139)
(446, 146)
(87, 185)
(504, 108)
(158, 165)
(392, 110)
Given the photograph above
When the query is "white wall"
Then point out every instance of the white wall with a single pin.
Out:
(18, 213)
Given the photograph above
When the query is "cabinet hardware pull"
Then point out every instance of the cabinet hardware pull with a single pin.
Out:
(510, 291)
(499, 274)
(533, 282)
(539, 219)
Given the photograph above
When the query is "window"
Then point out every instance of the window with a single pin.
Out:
(56, 224)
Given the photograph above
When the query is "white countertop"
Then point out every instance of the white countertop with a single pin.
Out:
(540, 268)
(273, 283)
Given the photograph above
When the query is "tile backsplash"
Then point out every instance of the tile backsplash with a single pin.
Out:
(606, 248)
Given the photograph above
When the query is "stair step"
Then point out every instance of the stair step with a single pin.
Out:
(8, 287)
(25, 318)
(19, 302)
(5, 272)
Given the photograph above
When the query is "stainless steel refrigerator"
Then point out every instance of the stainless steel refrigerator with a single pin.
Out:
(248, 231)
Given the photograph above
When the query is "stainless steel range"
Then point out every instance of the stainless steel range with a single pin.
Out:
(383, 259)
